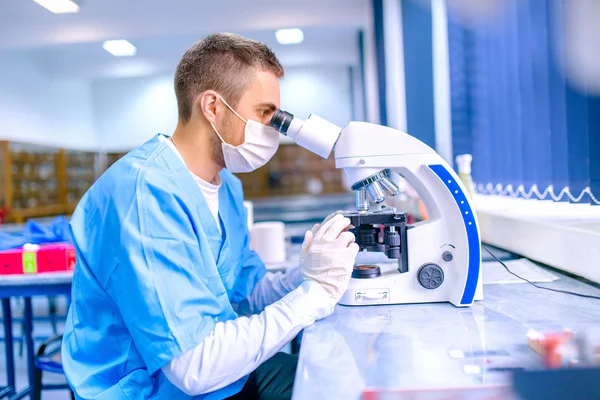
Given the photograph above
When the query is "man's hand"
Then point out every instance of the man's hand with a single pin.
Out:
(330, 257)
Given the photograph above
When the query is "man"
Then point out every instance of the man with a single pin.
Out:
(164, 272)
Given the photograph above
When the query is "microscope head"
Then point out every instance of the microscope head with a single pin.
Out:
(321, 137)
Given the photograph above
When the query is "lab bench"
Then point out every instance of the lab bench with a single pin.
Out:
(438, 346)
(400, 347)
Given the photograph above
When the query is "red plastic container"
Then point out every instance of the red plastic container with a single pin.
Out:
(56, 258)
(11, 262)
(47, 258)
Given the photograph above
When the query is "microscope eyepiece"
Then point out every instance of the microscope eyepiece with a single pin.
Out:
(315, 134)
(281, 121)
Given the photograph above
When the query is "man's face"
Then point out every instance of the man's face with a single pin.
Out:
(258, 103)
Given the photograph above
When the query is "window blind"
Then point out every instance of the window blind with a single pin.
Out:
(532, 134)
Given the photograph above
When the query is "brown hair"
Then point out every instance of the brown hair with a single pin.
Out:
(223, 62)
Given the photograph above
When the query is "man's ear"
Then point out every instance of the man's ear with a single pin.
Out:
(206, 104)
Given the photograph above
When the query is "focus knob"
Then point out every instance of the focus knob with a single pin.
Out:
(430, 276)
(392, 239)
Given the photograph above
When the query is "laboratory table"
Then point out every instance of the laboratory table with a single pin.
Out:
(26, 286)
(396, 348)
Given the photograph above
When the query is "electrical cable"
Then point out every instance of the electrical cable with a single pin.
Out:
(587, 296)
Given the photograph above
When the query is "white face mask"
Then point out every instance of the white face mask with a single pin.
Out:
(259, 146)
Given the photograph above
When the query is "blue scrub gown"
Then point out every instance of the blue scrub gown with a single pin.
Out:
(153, 275)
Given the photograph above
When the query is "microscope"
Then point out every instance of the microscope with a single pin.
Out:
(437, 260)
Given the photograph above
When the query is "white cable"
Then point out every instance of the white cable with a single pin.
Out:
(499, 189)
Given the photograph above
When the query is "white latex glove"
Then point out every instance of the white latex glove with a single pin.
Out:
(309, 235)
(330, 258)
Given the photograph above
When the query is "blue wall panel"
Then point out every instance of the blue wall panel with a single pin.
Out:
(418, 70)
(380, 55)
(462, 140)
(594, 145)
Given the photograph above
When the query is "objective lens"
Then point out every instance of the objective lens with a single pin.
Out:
(362, 201)
(390, 187)
(376, 192)
(281, 121)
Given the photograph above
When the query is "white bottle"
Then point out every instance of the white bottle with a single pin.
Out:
(464, 172)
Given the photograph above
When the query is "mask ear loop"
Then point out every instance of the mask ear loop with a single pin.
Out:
(238, 115)
(217, 132)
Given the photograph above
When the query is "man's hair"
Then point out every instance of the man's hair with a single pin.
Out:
(225, 63)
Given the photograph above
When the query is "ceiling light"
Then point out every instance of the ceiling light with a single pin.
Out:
(59, 6)
(119, 48)
(289, 36)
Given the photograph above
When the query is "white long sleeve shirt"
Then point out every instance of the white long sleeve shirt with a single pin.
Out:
(283, 305)
(237, 347)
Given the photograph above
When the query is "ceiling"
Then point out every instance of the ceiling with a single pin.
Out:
(69, 45)
(24, 24)
(321, 46)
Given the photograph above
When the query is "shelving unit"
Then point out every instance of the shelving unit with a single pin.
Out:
(5, 186)
(39, 181)
(292, 171)
(80, 175)
(30, 180)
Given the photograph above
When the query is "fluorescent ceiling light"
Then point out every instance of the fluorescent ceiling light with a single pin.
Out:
(119, 48)
(59, 6)
(289, 36)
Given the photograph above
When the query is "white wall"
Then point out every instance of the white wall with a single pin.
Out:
(36, 109)
(121, 113)
(324, 91)
(130, 111)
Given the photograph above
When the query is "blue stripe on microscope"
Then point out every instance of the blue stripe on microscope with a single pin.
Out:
(471, 229)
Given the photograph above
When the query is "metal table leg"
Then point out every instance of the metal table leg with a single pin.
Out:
(8, 343)
(28, 333)
(29, 340)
